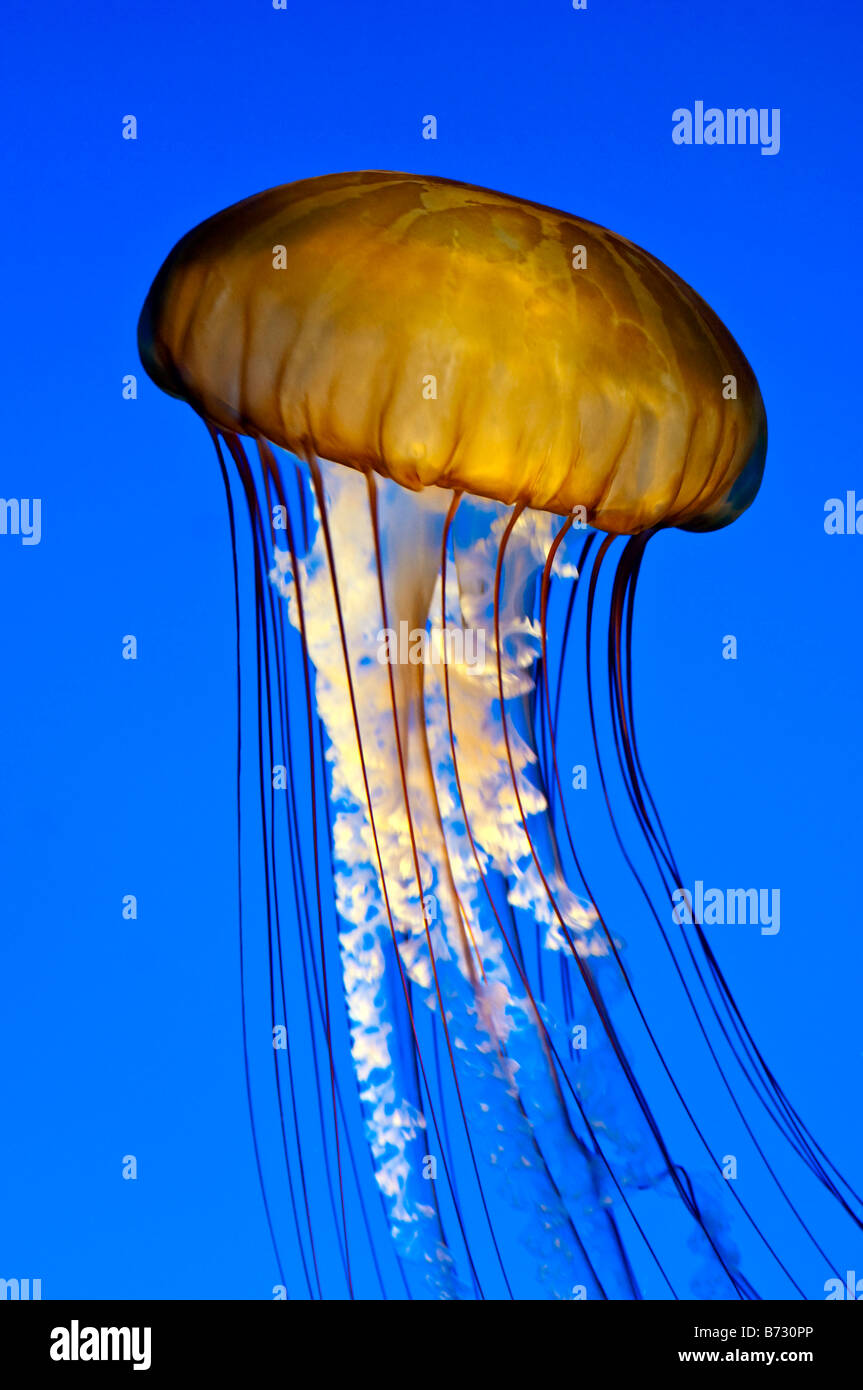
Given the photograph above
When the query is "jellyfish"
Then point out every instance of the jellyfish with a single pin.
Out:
(440, 408)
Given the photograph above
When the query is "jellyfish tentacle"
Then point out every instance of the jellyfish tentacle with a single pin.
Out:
(272, 478)
(373, 509)
(590, 983)
(547, 1040)
(499, 1047)
(305, 645)
(259, 546)
(502, 1050)
(481, 794)
(606, 795)
(359, 605)
(462, 920)
(635, 781)
(629, 568)
(238, 779)
(613, 947)
(325, 530)
(304, 919)
(622, 715)
(464, 914)
(725, 992)
(272, 474)
(255, 512)
(271, 872)
(612, 944)
(638, 810)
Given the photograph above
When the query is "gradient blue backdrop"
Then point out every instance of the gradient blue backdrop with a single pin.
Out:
(124, 1037)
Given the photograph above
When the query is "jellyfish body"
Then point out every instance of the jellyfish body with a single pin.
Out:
(439, 334)
(475, 386)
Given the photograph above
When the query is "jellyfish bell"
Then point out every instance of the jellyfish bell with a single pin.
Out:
(461, 373)
(439, 334)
